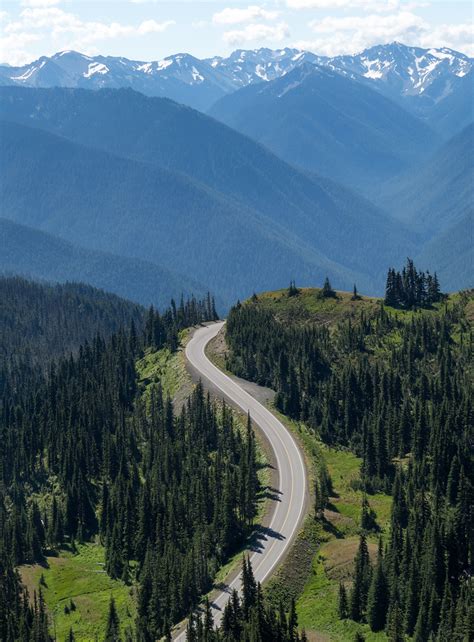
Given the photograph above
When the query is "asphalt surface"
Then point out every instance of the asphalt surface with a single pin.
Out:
(288, 510)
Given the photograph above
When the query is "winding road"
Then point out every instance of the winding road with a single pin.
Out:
(288, 509)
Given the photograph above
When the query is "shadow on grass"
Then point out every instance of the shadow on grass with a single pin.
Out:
(328, 527)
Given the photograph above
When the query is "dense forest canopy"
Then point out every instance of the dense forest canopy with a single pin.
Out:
(85, 455)
(396, 389)
(39, 321)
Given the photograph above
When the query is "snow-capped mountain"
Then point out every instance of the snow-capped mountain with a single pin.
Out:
(419, 77)
(246, 67)
(406, 72)
(181, 77)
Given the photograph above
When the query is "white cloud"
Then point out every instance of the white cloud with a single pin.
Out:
(257, 32)
(348, 34)
(455, 36)
(365, 5)
(233, 16)
(60, 28)
(151, 26)
(39, 3)
(12, 47)
(383, 27)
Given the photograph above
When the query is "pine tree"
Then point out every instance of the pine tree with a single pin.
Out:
(367, 518)
(355, 295)
(292, 623)
(112, 631)
(293, 290)
(249, 586)
(327, 291)
(395, 629)
(70, 636)
(343, 606)
(378, 597)
(360, 587)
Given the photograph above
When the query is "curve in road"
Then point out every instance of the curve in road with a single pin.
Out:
(288, 511)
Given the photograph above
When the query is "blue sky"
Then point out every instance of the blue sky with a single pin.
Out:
(153, 29)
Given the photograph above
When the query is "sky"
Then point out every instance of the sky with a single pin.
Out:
(152, 29)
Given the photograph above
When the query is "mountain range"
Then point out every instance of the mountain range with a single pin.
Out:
(146, 178)
(325, 122)
(419, 78)
(303, 167)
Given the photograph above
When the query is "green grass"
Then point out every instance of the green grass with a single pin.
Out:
(317, 608)
(307, 306)
(317, 604)
(343, 467)
(82, 578)
(329, 558)
(162, 366)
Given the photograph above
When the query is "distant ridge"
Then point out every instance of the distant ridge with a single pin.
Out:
(145, 177)
(420, 78)
(328, 123)
(32, 253)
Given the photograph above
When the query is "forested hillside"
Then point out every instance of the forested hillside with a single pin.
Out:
(395, 388)
(307, 118)
(88, 456)
(38, 255)
(40, 321)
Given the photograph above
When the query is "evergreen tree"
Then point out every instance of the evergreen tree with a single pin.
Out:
(355, 295)
(70, 636)
(360, 587)
(112, 631)
(327, 291)
(378, 597)
(343, 606)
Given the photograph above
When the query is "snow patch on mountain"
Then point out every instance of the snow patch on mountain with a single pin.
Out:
(96, 68)
(394, 69)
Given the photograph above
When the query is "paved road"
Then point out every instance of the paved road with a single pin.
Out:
(288, 511)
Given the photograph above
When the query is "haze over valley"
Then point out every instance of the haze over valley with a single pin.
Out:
(331, 166)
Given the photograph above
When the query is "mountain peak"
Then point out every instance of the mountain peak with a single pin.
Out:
(395, 69)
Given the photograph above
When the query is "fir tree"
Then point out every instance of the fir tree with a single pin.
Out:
(378, 597)
(112, 631)
(327, 291)
(343, 606)
(360, 587)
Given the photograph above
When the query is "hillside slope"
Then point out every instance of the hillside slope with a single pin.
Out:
(456, 110)
(39, 255)
(42, 322)
(327, 123)
(117, 205)
(452, 252)
(441, 192)
(256, 210)
(372, 392)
